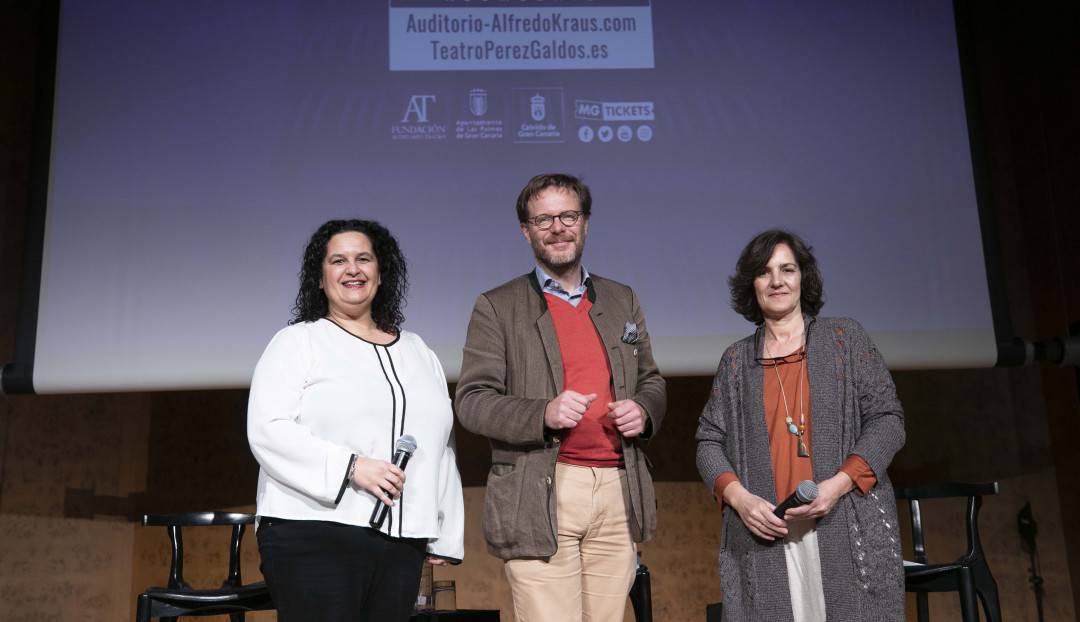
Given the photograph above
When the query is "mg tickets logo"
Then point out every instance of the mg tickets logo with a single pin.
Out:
(611, 112)
(418, 120)
(620, 119)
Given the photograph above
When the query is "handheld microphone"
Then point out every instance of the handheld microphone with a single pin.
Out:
(804, 493)
(403, 450)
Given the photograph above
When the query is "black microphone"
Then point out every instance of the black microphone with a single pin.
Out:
(403, 450)
(804, 493)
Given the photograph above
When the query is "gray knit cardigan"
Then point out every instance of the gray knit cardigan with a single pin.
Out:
(855, 411)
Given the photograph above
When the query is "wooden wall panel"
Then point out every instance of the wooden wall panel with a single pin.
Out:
(64, 569)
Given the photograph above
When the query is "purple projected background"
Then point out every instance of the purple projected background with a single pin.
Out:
(198, 144)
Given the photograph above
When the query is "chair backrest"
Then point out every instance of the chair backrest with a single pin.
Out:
(173, 524)
(974, 494)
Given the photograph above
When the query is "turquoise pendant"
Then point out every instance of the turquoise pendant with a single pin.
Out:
(791, 428)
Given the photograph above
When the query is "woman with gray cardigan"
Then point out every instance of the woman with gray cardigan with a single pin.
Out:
(803, 398)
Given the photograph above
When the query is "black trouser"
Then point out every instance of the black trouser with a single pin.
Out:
(327, 572)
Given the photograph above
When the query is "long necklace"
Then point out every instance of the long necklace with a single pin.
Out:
(799, 431)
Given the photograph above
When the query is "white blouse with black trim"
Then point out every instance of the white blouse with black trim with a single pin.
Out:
(321, 394)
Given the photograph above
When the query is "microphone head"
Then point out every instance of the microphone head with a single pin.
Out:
(806, 491)
(407, 444)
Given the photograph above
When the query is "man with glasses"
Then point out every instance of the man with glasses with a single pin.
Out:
(558, 374)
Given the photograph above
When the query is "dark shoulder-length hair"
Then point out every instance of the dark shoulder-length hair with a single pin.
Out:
(752, 261)
(386, 309)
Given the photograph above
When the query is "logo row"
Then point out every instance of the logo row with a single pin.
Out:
(527, 115)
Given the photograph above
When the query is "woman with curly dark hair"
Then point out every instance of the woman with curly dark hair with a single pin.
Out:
(331, 396)
(312, 302)
(761, 434)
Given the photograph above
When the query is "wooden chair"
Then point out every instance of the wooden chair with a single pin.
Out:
(969, 575)
(180, 599)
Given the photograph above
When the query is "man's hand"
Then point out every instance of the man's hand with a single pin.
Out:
(755, 512)
(829, 492)
(629, 417)
(566, 409)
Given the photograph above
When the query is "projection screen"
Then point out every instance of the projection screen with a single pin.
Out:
(197, 145)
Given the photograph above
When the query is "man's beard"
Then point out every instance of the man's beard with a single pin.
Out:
(556, 262)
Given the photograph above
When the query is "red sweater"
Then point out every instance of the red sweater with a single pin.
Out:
(594, 442)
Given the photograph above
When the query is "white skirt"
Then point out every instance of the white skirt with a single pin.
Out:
(804, 571)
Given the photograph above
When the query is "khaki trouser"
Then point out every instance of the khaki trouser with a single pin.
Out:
(590, 575)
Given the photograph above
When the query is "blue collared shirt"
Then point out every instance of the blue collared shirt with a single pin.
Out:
(551, 286)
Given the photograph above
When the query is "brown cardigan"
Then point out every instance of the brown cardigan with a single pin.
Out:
(512, 368)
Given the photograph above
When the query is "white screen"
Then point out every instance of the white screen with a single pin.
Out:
(197, 145)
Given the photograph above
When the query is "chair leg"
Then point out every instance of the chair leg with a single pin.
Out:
(986, 588)
(969, 609)
(991, 604)
(142, 611)
(922, 605)
(236, 617)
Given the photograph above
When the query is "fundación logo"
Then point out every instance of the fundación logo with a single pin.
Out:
(418, 108)
(416, 123)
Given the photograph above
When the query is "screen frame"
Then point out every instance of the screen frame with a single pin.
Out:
(18, 375)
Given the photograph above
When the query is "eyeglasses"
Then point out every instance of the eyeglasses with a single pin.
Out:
(543, 222)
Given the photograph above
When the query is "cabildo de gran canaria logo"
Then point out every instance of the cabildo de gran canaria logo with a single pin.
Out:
(538, 115)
